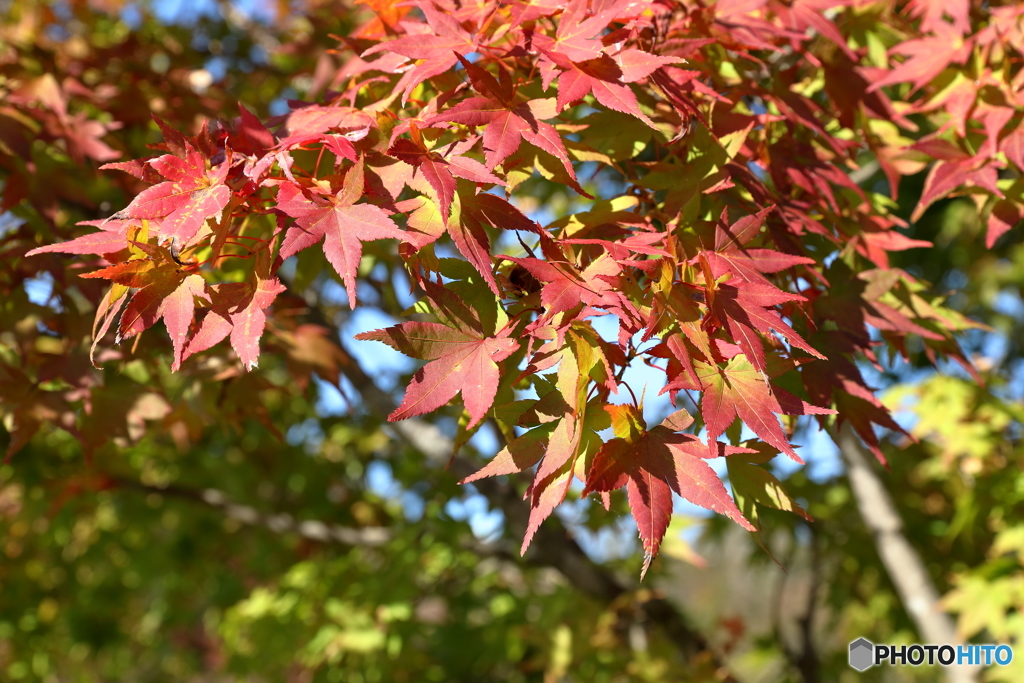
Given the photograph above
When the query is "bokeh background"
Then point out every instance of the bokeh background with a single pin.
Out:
(313, 546)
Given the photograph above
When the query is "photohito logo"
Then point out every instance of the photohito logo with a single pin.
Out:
(864, 654)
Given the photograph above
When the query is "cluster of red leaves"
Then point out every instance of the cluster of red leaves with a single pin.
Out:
(727, 238)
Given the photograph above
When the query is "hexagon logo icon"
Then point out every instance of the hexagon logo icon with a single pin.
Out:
(862, 654)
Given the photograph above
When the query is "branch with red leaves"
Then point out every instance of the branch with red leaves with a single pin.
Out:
(710, 216)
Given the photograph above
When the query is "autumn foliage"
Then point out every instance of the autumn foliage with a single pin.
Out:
(709, 151)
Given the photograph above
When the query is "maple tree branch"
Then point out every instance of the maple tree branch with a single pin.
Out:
(553, 546)
(805, 660)
(904, 565)
(279, 523)
(777, 602)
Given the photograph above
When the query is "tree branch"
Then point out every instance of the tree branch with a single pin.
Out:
(805, 660)
(280, 523)
(902, 562)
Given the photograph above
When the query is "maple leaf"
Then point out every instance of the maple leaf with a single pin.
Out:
(652, 464)
(253, 137)
(507, 124)
(441, 170)
(521, 453)
(575, 34)
(679, 369)
(434, 169)
(1013, 146)
(650, 502)
(740, 390)
(569, 431)
(556, 471)
(478, 212)
(133, 273)
(933, 14)
(248, 320)
(946, 176)
(177, 310)
(1003, 216)
(237, 309)
(312, 122)
(928, 57)
(746, 308)
(839, 380)
(636, 65)
(215, 325)
(461, 358)
(336, 219)
(558, 443)
(164, 291)
(601, 76)
(111, 238)
(437, 48)
(189, 196)
(106, 312)
(752, 264)
(731, 255)
(755, 486)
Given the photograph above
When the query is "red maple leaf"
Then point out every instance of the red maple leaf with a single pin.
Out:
(481, 211)
(521, 453)
(1013, 147)
(310, 123)
(731, 254)
(178, 309)
(933, 14)
(558, 443)
(746, 309)
(111, 238)
(237, 309)
(946, 176)
(740, 390)
(601, 76)
(1004, 215)
(435, 43)
(575, 34)
(508, 120)
(507, 124)
(461, 357)
(215, 325)
(249, 319)
(190, 195)
(164, 290)
(653, 463)
(636, 64)
(336, 219)
(839, 380)
(928, 56)
(439, 169)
